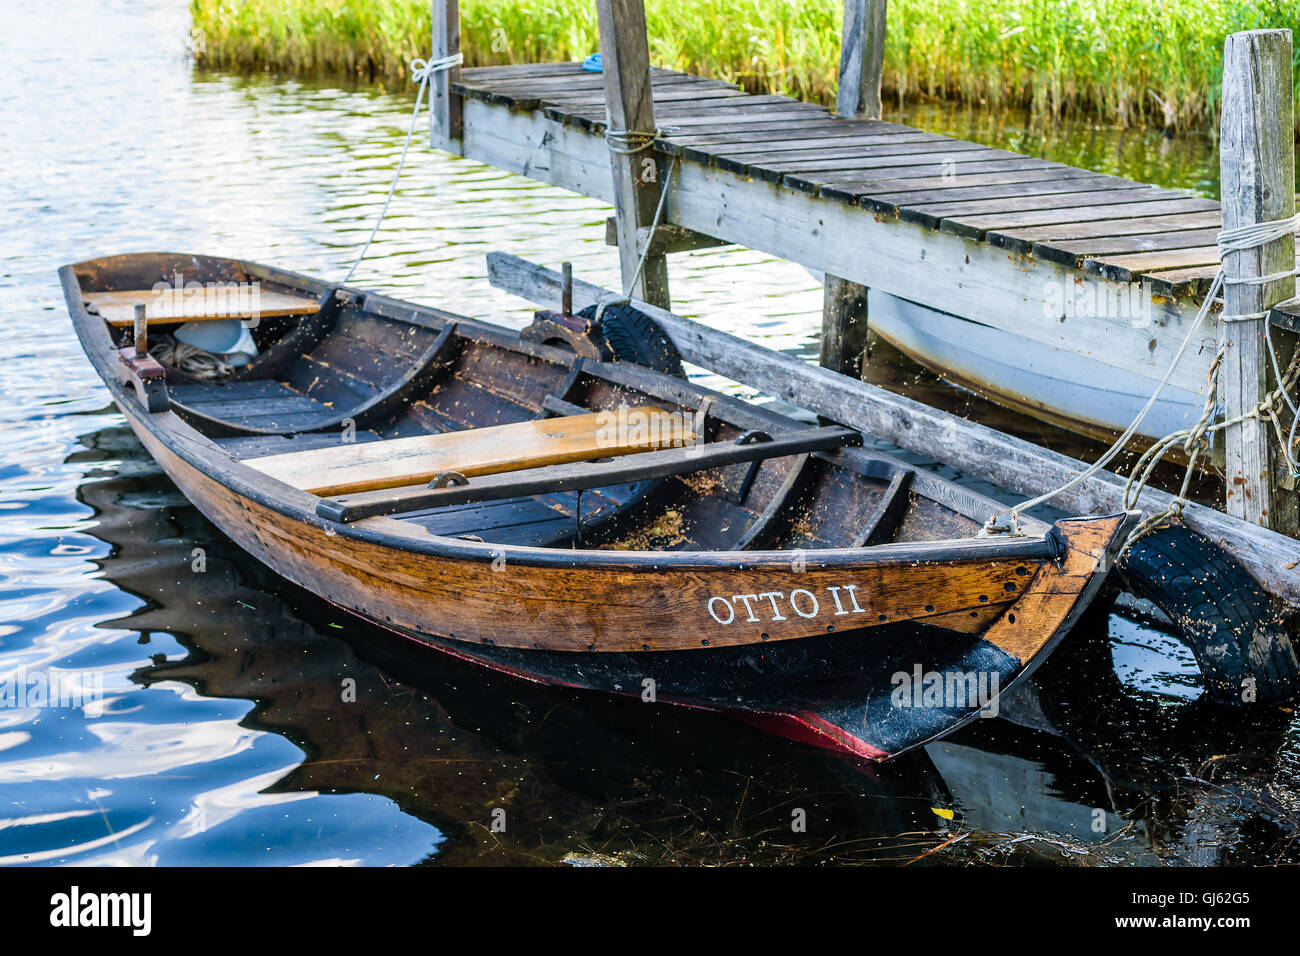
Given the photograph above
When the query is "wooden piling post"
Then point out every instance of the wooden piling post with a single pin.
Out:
(1257, 171)
(445, 122)
(862, 60)
(629, 107)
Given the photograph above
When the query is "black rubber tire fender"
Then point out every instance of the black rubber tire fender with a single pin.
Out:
(1230, 624)
(635, 337)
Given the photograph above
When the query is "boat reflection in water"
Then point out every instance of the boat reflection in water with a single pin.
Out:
(1081, 768)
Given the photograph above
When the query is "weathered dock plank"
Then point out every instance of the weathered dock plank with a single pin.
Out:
(930, 267)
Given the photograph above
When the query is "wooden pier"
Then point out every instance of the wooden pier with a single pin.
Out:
(948, 225)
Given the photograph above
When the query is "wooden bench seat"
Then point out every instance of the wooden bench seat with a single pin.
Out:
(171, 305)
(373, 466)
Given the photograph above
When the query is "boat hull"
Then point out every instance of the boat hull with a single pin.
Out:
(880, 617)
(837, 690)
(1074, 391)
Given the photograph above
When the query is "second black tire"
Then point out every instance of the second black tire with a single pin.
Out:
(1238, 636)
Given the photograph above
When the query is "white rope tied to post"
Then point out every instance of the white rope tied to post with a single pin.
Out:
(422, 72)
(1251, 236)
(628, 142)
(1195, 439)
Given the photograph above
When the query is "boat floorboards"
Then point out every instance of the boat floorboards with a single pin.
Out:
(254, 404)
(526, 522)
(257, 446)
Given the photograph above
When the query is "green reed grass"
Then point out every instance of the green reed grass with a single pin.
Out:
(1123, 61)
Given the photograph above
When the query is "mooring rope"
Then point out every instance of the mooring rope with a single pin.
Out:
(422, 71)
(1195, 440)
(628, 142)
(626, 297)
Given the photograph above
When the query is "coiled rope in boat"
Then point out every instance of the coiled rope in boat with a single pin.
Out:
(189, 359)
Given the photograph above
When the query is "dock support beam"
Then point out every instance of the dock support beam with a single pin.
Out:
(445, 122)
(862, 60)
(629, 108)
(1257, 170)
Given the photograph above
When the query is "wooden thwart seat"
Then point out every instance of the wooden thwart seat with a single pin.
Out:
(205, 305)
(550, 479)
(373, 466)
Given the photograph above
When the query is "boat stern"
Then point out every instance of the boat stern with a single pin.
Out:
(931, 699)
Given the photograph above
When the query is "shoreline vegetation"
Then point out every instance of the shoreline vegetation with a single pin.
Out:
(1123, 62)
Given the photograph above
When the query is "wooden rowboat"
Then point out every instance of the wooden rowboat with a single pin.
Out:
(583, 522)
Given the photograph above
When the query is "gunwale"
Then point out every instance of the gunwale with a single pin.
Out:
(207, 456)
(396, 573)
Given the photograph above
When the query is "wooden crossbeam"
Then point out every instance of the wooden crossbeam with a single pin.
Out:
(373, 466)
(204, 305)
(578, 476)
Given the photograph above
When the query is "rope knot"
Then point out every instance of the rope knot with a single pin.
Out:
(423, 70)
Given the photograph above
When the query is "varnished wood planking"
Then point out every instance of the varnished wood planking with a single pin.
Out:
(591, 608)
(350, 468)
(171, 305)
(1057, 588)
(662, 591)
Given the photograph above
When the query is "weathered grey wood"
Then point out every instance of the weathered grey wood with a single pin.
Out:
(862, 59)
(953, 155)
(814, 181)
(862, 156)
(1127, 268)
(906, 260)
(1073, 253)
(1257, 171)
(857, 191)
(830, 128)
(932, 214)
(1024, 239)
(667, 238)
(785, 148)
(629, 107)
(976, 226)
(893, 201)
(1014, 464)
(844, 326)
(445, 119)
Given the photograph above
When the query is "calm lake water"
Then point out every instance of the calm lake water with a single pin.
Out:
(222, 737)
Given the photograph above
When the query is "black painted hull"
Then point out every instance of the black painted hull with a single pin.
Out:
(873, 693)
